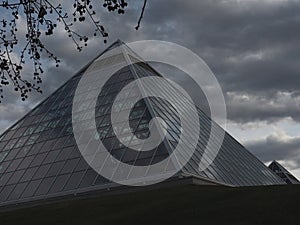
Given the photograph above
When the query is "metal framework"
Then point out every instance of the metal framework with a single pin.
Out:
(39, 158)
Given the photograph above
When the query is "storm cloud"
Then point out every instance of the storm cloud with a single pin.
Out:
(277, 146)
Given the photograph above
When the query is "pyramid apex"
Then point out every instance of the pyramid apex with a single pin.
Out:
(119, 41)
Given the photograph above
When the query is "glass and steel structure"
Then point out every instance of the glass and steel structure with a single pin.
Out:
(39, 157)
(283, 173)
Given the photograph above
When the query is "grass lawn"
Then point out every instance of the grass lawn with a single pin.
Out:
(186, 205)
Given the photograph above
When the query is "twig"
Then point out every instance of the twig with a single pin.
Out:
(141, 16)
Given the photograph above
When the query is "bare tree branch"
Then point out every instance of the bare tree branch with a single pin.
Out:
(41, 18)
(141, 16)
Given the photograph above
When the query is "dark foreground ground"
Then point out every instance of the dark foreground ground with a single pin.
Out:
(187, 205)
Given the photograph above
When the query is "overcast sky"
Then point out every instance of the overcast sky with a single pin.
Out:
(252, 46)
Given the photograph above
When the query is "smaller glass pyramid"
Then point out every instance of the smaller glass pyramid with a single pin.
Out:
(283, 173)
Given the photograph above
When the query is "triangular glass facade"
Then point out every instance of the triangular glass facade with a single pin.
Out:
(39, 157)
(283, 173)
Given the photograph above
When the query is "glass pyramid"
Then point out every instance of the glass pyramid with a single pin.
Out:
(283, 173)
(40, 159)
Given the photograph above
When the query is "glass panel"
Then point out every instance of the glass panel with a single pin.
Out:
(45, 186)
(12, 154)
(28, 174)
(19, 188)
(88, 178)
(16, 177)
(2, 145)
(31, 188)
(8, 135)
(48, 145)
(51, 157)
(41, 172)
(3, 155)
(35, 148)
(14, 165)
(23, 151)
(4, 178)
(70, 166)
(38, 160)
(10, 144)
(64, 153)
(59, 183)
(19, 132)
(3, 166)
(74, 180)
(26, 162)
(55, 168)
(82, 165)
(5, 192)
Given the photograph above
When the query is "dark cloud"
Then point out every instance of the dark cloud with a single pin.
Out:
(277, 148)
(244, 107)
(253, 46)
